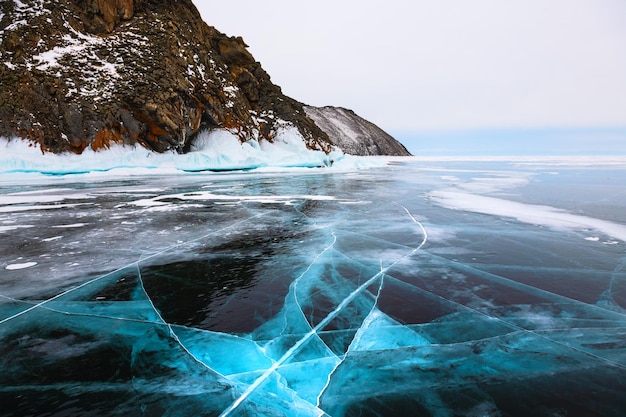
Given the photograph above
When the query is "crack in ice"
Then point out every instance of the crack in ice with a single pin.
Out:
(132, 264)
(325, 321)
(308, 268)
(297, 280)
(172, 334)
(522, 329)
(356, 338)
(614, 277)
(523, 287)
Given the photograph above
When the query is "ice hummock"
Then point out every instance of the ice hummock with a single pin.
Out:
(218, 150)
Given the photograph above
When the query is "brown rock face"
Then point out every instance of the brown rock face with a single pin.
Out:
(79, 73)
(109, 13)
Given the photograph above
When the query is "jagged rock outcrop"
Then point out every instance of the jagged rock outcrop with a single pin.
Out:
(78, 73)
(353, 134)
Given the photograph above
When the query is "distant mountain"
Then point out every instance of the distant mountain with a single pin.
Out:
(91, 73)
(353, 134)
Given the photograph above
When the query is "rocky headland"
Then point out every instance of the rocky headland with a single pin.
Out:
(93, 73)
(353, 134)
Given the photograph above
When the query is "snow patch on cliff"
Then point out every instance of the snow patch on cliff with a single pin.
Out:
(25, 12)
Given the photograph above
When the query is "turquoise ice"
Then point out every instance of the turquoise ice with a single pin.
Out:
(369, 292)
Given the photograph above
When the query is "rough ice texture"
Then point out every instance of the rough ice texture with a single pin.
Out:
(217, 150)
(353, 134)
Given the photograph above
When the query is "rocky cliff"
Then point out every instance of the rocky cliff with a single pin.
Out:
(353, 134)
(91, 73)
(78, 73)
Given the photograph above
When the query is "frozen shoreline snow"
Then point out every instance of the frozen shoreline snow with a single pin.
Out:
(218, 150)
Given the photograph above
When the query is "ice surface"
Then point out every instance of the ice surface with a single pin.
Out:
(315, 292)
(529, 213)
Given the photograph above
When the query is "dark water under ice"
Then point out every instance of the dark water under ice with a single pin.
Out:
(424, 288)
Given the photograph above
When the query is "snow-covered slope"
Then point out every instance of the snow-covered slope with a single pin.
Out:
(353, 134)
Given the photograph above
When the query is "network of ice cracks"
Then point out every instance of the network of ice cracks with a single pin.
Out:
(336, 341)
(262, 372)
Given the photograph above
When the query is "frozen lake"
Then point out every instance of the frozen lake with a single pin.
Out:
(425, 287)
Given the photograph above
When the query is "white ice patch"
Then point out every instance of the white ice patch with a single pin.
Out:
(221, 150)
(527, 213)
(39, 200)
(208, 196)
(17, 209)
(497, 182)
(70, 226)
(52, 239)
(40, 196)
(14, 227)
(15, 267)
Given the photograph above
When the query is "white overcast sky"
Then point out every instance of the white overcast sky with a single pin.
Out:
(424, 65)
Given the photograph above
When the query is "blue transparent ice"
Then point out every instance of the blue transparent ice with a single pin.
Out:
(312, 293)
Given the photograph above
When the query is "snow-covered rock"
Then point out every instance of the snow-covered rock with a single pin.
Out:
(353, 134)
